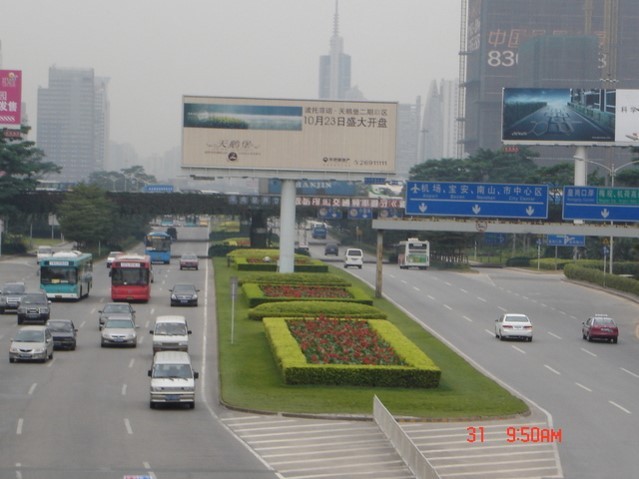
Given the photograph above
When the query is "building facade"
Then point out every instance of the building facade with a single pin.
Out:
(335, 68)
(541, 44)
(73, 122)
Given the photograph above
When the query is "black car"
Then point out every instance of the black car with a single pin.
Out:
(34, 307)
(63, 332)
(331, 248)
(184, 295)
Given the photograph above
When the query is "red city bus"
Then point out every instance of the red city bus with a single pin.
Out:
(131, 278)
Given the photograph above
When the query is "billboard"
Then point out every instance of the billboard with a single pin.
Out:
(341, 139)
(10, 97)
(570, 116)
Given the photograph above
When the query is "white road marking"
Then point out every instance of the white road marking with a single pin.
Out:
(630, 372)
(127, 425)
(32, 388)
(554, 335)
(551, 369)
(481, 299)
(20, 424)
(518, 349)
(584, 387)
(131, 362)
(467, 319)
(620, 407)
(588, 352)
(448, 307)
(124, 390)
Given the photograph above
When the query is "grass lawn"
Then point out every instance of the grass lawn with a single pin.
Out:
(249, 377)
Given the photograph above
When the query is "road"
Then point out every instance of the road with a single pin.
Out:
(589, 390)
(86, 413)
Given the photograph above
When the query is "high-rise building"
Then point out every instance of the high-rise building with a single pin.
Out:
(407, 144)
(541, 44)
(335, 68)
(438, 134)
(73, 122)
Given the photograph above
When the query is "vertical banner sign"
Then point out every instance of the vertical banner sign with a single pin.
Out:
(10, 97)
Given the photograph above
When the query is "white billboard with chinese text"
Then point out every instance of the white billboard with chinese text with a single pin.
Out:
(328, 138)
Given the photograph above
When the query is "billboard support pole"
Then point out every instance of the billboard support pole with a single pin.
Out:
(581, 158)
(287, 227)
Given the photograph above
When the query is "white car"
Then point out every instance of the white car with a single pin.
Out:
(354, 257)
(515, 326)
(111, 257)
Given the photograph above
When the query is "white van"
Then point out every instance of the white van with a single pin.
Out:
(172, 379)
(170, 333)
(354, 257)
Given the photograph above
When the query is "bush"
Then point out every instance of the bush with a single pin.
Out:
(295, 278)
(291, 309)
(590, 275)
(520, 261)
(256, 296)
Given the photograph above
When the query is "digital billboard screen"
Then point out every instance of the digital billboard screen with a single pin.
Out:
(340, 138)
(570, 116)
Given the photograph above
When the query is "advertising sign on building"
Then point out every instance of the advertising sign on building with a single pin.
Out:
(10, 97)
(570, 116)
(314, 138)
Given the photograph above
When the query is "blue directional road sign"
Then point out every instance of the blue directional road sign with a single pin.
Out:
(601, 204)
(477, 200)
(566, 240)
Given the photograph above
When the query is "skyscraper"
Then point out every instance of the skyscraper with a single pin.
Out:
(73, 122)
(541, 44)
(335, 68)
(438, 134)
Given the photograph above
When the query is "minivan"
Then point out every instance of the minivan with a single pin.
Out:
(354, 257)
(170, 333)
(172, 379)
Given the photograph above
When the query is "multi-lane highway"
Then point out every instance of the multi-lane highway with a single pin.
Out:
(86, 413)
(588, 390)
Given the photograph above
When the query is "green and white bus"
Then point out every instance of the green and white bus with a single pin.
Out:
(66, 274)
(413, 253)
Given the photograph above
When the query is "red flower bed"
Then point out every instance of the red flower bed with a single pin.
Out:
(334, 341)
(273, 259)
(303, 291)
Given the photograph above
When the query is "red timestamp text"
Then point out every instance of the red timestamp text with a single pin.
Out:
(523, 434)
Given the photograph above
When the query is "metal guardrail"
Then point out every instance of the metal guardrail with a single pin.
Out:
(403, 444)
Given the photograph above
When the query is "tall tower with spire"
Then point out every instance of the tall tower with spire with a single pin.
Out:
(335, 68)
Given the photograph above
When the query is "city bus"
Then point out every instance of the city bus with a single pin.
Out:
(157, 245)
(131, 278)
(413, 253)
(66, 274)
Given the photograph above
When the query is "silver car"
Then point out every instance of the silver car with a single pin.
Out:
(31, 343)
(10, 295)
(115, 309)
(119, 331)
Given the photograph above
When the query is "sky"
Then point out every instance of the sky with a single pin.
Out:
(154, 52)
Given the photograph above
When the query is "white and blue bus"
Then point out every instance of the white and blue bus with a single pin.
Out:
(157, 245)
(413, 253)
(66, 274)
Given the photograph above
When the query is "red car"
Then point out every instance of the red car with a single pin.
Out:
(600, 326)
(189, 261)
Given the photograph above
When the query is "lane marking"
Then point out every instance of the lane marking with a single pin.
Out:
(518, 349)
(554, 335)
(584, 387)
(551, 369)
(32, 388)
(124, 390)
(20, 424)
(127, 425)
(467, 319)
(131, 362)
(463, 290)
(416, 288)
(630, 372)
(481, 299)
(431, 297)
(588, 352)
(502, 309)
(448, 307)
(620, 407)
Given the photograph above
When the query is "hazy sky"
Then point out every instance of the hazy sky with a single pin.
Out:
(156, 51)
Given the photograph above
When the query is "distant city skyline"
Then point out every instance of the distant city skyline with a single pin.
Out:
(258, 49)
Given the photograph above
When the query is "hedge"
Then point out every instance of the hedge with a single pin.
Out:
(420, 372)
(293, 309)
(591, 275)
(296, 278)
(256, 296)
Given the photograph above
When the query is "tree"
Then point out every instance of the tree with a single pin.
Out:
(85, 215)
(21, 165)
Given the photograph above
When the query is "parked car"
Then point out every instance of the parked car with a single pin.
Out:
(31, 343)
(600, 326)
(64, 333)
(10, 295)
(184, 295)
(34, 307)
(111, 257)
(115, 309)
(189, 261)
(354, 257)
(516, 326)
(119, 331)
(331, 248)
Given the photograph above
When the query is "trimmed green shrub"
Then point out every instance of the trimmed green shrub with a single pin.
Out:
(521, 261)
(306, 309)
(612, 281)
(295, 278)
(256, 296)
(420, 372)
